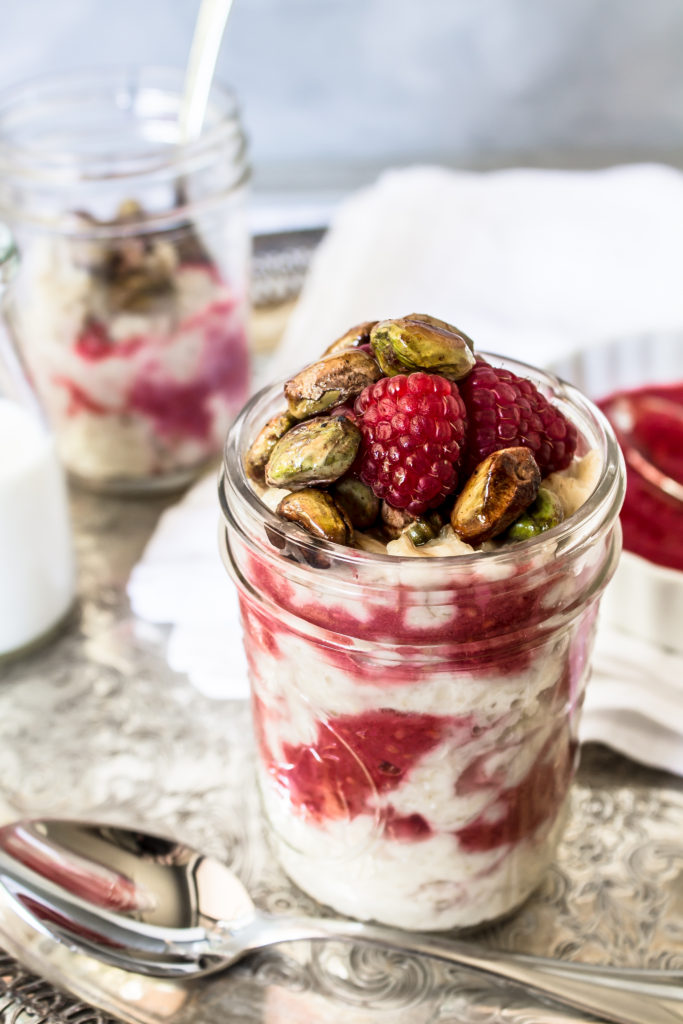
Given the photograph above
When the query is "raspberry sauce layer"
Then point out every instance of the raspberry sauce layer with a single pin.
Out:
(178, 408)
(356, 760)
(492, 625)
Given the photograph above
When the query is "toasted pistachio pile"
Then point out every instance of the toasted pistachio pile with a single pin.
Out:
(135, 270)
(309, 448)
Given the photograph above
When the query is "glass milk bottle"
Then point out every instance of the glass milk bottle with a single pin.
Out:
(36, 559)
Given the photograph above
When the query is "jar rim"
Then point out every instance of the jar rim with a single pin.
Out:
(124, 87)
(600, 507)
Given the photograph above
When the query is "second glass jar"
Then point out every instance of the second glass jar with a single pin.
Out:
(130, 310)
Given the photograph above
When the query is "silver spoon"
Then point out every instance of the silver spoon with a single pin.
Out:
(206, 42)
(151, 905)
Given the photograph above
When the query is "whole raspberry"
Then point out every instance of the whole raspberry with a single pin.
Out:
(413, 431)
(504, 410)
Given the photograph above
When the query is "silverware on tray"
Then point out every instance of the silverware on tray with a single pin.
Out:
(153, 906)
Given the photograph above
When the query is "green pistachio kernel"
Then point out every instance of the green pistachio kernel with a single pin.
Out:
(411, 344)
(543, 514)
(315, 452)
(425, 528)
(329, 382)
(317, 512)
(256, 458)
(355, 336)
(358, 501)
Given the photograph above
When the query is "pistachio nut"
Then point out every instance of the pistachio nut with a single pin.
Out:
(138, 271)
(425, 528)
(543, 513)
(260, 450)
(409, 344)
(502, 486)
(314, 452)
(358, 500)
(329, 382)
(129, 211)
(443, 324)
(139, 290)
(137, 266)
(317, 512)
(355, 336)
(394, 520)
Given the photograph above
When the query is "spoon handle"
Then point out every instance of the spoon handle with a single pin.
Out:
(206, 42)
(621, 997)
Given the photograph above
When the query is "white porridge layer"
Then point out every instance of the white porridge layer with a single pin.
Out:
(436, 886)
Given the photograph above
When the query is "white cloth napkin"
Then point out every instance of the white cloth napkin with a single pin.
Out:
(634, 699)
(529, 263)
(533, 264)
(180, 580)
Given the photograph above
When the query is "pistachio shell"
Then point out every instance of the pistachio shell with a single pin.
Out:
(329, 382)
(355, 336)
(258, 454)
(502, 486)
(409, 344)
(317, 451)
(318, 514)
(358, 500)
(544, 513)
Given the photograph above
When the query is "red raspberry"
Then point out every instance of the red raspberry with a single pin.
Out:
(504, 410)
(413, 434)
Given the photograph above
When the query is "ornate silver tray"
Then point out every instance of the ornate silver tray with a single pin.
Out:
(97, 726)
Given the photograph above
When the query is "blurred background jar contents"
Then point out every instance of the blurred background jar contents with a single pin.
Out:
(130, 308)
(37, 578)
(649, 425)
(638, 383)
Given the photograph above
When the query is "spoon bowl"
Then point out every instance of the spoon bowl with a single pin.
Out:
(125, 896)
(149, 904)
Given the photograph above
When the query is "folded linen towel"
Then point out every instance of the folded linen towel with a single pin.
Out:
(530, 263)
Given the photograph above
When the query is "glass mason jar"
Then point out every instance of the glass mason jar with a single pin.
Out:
(416, 718)
(37, 579)
(130, 308)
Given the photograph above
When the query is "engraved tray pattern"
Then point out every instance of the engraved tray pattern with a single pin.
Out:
(97, 726)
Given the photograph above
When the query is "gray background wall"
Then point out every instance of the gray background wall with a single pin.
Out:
(333, 90)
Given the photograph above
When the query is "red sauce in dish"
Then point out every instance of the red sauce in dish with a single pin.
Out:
(649, 425)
